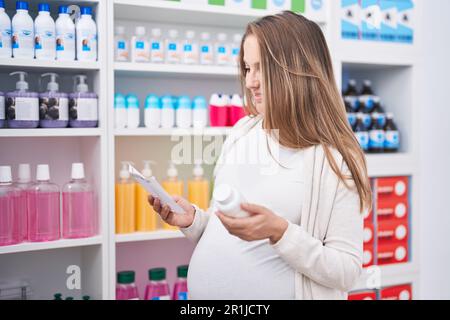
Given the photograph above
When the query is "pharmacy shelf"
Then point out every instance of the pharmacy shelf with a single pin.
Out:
(32, 64)
(171, 70)
(146, 236)
(62, 132)
(58, 244)
(390, 164)
(218, 131)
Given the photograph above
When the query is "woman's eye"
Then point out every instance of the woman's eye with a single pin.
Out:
(247, 70)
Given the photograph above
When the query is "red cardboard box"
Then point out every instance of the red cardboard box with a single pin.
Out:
(392, 209)
(391, 253)
(368, 256)
(363, 295)
(393, 188)
(403, 292)
(369, 233)
(392, 231)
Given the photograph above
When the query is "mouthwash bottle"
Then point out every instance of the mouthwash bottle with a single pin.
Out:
(180, 290)
(126, 288)
(157, 288)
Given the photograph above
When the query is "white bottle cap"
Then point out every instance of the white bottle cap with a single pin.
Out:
(172, 172)
(205, 36)
(223, 194)
(367, 83)
(404, 295)
(147, 171)
(77, 171)
(43, 172)
(124, 173)
(400, 232)
(21, 85)
(173, 33)
(400, 253)
(222, 36)
(156, 32)
(120, 30)
(236, 100)
(224, 100)
(352, 82)
(389, 115)
(214, 100)
(237, 37)
(400, 188)
(140, 31)
(24, 174)
(190, 34)
(5, 174)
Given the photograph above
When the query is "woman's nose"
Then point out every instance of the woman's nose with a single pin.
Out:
(252, 82)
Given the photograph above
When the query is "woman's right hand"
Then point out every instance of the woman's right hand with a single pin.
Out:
(170, 217)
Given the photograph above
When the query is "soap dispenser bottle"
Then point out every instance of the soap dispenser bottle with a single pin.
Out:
(173, 186)
(53, 105)
(146, 217)
(125, 201)
(198, 188)
(83, 105)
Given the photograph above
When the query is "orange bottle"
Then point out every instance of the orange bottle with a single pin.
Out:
(146, 218)
(125, 202)
(198, 188)
(174, 187)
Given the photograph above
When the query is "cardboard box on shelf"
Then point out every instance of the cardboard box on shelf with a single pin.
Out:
(392, 188)
(392, 209)
(363, 295)
(392, 253)
(402, 292)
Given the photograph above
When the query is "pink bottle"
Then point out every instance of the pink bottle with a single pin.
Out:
(43, 208)
(218, 110)
(24, 184)
(79, 212)
(126, 288)
(180, 290)
(158, 288)
(236, 111)
(9, 222)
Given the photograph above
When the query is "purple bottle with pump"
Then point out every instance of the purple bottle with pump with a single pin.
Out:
(83, 105)
(22, 106)
(53, 105)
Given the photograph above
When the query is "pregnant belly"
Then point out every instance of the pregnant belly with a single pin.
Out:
(225, 267)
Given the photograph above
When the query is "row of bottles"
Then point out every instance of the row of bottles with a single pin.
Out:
(133, 211)
(375, 129)
(50, 109)
(46, 39)
(190, 49)
(31, 211)
(157, 287)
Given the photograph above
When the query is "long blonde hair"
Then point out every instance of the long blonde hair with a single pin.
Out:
(300, 93)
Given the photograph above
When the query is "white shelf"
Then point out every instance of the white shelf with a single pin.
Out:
(390, 164)
(62, 132)
(218, 131)
(58, 244)
(146, 236)
(33, 64)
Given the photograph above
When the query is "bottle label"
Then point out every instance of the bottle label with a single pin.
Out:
(140, 45)
(173, 54)
(182, 295)
(122, 51)
(161, 298)
(54, 109)
(156, 45)
(363, 139)
(19, 108)
(85, 109)
(65, 41)
(187, 48)
(205, 49)
(367, 102)
(352, 102)
(2, 108)
(221, 50)
(121, 45)
(381, 120)
(23, 39)
(156, 52)
(222, 57)
(392, 140)
(88, 42)
(376, 139)
(172, 47)
(367, 121)
(5, 39)
(351, 119)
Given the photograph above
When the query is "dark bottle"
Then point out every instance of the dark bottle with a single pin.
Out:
(392, 140)
(362, 135)
(366, 98)
(376, 135)
(351, 97)
(381, 113)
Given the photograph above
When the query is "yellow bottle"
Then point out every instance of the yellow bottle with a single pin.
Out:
(125, 202)
(198, 188)
(174, 187)
(146, 217)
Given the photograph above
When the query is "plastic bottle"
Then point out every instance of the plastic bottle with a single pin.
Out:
(83, 105)
(156, 47)
(228, 200)
(23, 183)
(125, 202)
(79, 211)
(206, 49)
(180, 290)
(152, 113)
(126, 288)
(132, 111)
(366, 98)
(198, 188)
(184, 113)
(146, 217)
(43, 208)
(236, 110)
(121, 45)
(351, 97)
(392, 141)
(22, 32)
(65, 36)
(222, 50)
(2, 110)
(45, 34)
(9, 223)
(167, 112)
(173, 52)
(120, 111)
(381, 113)
(218, 111)
(190, 48)
(140, 51)
(173, 186)
(86, 36)
(5, 32)
(53, 105)
(57, 296)
(22, 106)
(376, 135)
(361, 132)
(200, 113)
(235, 49)
(157, 288)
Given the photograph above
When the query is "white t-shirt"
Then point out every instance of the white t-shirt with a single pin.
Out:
(225, 267)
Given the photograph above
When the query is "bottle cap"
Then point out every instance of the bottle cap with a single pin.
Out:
(224, 100)
(390, 115)
(57, 296)
(214, 99)
(173, 33)
(69, 298)
(223, 193)
(205, 36)
(152, 102)
(352, 82)
(82, 85)
(120, 30)
(190, 34)
(147, 171)
(167, 102)
(86, 298)
(199, 103)
(43, 7)
(86, 11)
(222, 36)
(157, 274)
(140, 31)
(125, 277)
(21, 85)
(2, 4)
(5, 174)
(52, 86)
(236, 100)
(132, 101)
(63, 9)
(24, 174)
(172, 172)
(43, 172)
(124, 173)
(184, 102)
(156, 32)
(77, 171)
(237, 37)
(367, 83)
(119, 101)
(182, 271)
(21, 5)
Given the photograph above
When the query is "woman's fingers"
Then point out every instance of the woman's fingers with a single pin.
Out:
(165, 212)
(157, 205)
(151, 200)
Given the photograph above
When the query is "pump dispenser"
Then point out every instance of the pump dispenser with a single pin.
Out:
(53, 105)
(125, 201)
(173, 186)
(22, 106)
(83, 105)
(198, 187)
(146, 217)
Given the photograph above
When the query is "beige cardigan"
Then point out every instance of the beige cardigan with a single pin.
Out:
(326, 248)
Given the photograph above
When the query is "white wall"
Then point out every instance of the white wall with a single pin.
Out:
(435, 151)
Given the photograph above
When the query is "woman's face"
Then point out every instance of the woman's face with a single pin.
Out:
(253, 78)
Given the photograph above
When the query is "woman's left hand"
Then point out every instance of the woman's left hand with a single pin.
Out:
(260, 225)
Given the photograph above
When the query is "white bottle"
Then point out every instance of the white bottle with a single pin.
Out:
(167, 112)
(44, 34)
(156, 47)
(140, 51)
(235, 49)
(65, 36)
(121, 45)
(199, 113)
(86, 36)
(152, 112)
(22, 32)
(190, 48)
(222, 50)
(5, 33)
(228, 200)
(173, 48)
(206, 49)
(132, 111)
(120, 111)
(183, 116)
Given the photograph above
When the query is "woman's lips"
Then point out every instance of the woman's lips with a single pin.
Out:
(257, 97)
